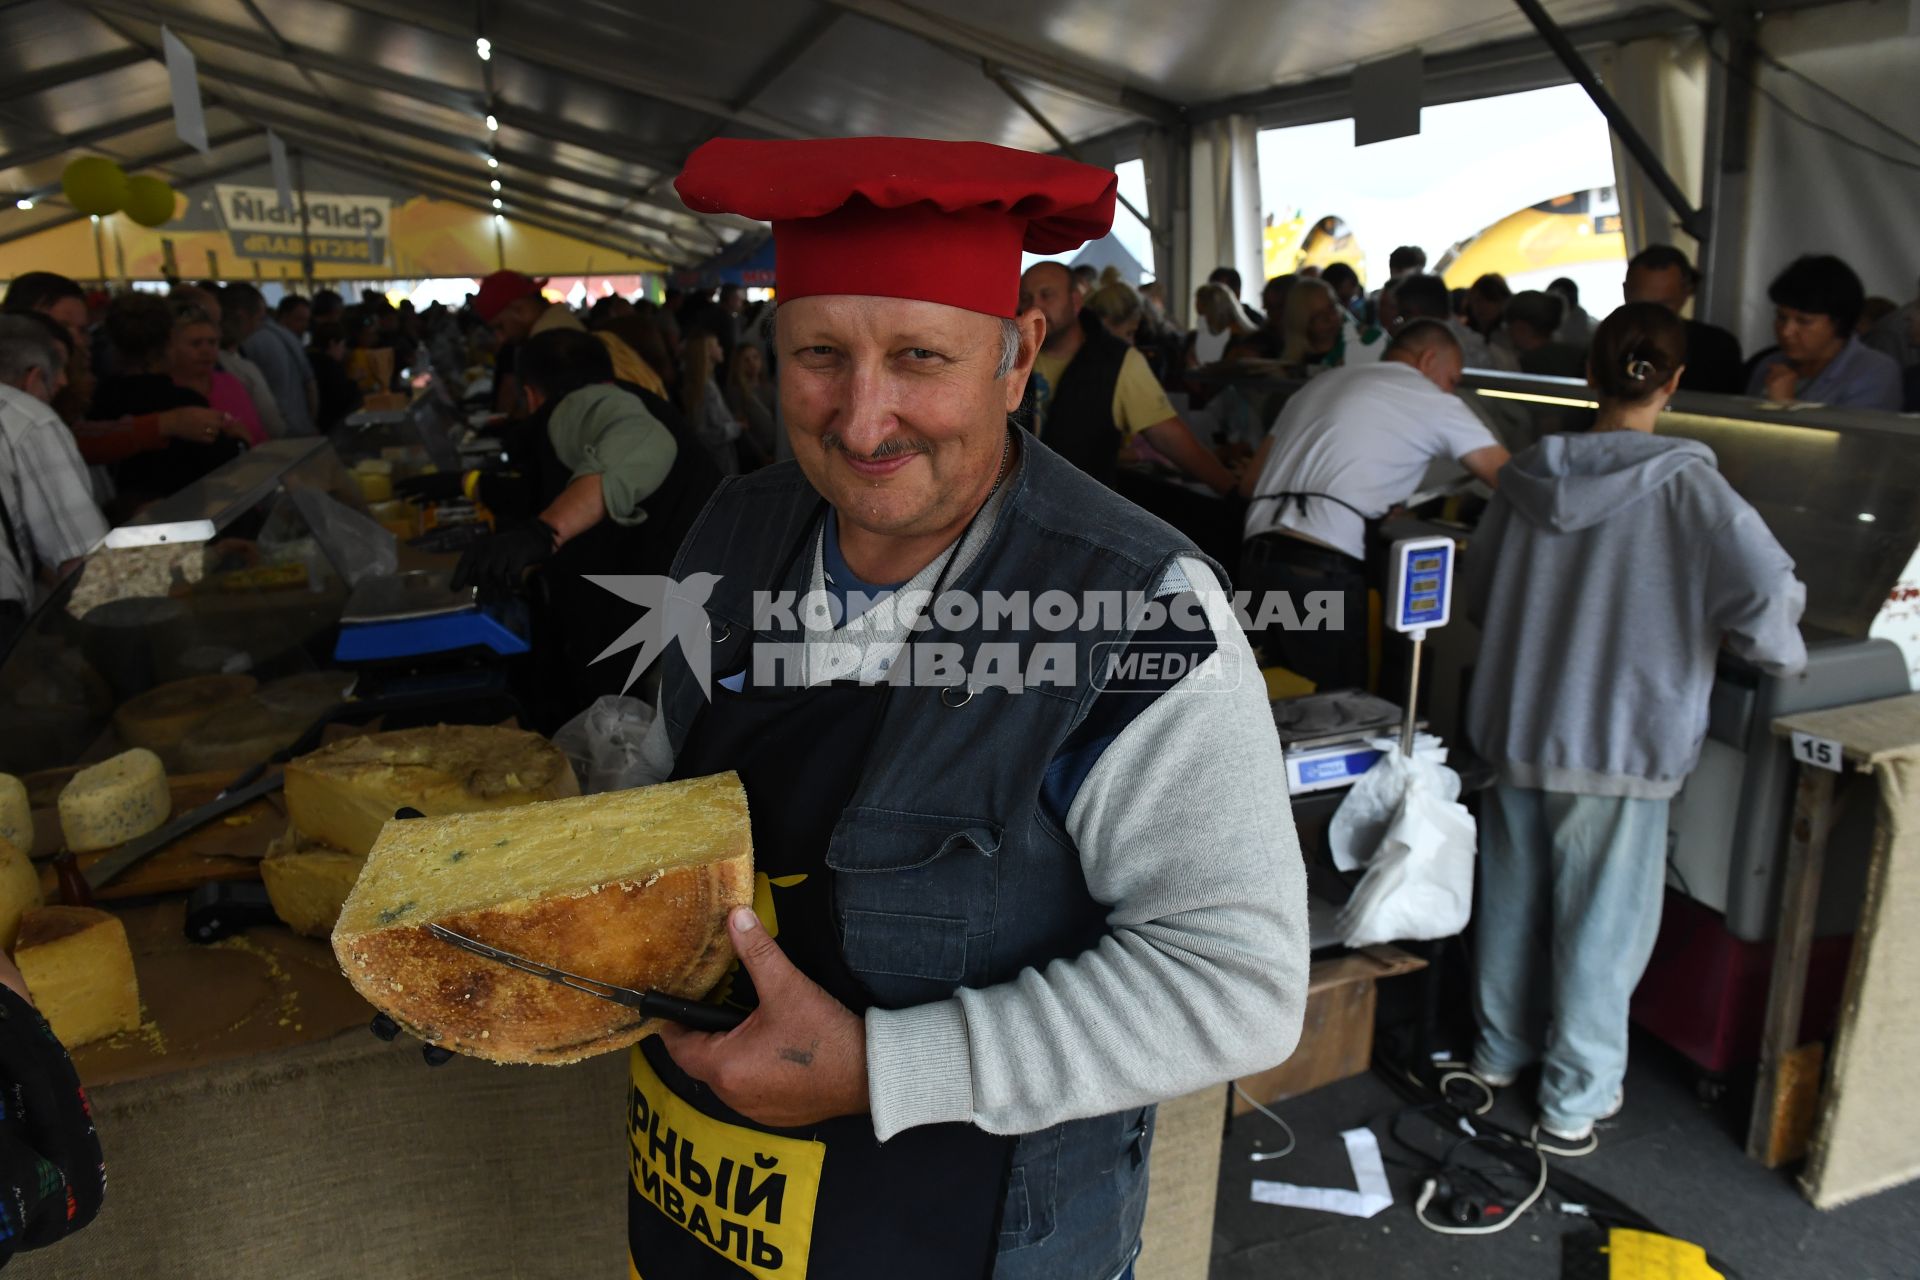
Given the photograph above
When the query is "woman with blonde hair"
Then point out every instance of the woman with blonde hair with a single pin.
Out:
(1222, 322)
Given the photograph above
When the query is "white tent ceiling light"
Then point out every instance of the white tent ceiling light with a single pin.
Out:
(598, 102)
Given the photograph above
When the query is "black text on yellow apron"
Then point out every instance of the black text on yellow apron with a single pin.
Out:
(926, 1204)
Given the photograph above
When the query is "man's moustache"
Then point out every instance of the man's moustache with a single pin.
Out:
(891, 447)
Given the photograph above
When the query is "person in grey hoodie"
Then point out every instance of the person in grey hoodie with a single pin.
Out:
(1608, 573)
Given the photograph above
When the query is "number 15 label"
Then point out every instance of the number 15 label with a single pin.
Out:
(1821, 753)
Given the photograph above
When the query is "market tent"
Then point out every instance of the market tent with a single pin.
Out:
(598, 102)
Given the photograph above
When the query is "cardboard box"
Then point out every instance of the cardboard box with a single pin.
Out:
(1336, 1037)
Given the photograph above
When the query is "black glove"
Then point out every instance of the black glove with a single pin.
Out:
(496, 563)
(386, 1028)
(434, 486)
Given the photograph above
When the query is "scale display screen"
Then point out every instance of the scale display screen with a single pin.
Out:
(1421, 584)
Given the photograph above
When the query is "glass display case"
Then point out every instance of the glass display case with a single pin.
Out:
(242, 574)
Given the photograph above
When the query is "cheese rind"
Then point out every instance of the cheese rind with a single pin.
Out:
(79, 970)
(19, 891)
(16, 812)
(628, 887)
(308, 884)
(342, 794)
(115, 801)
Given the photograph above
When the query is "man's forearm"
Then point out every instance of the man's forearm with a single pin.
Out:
(579, 508)
(1175, 440)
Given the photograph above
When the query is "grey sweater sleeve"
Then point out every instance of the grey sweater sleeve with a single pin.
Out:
(1754, 596)
(1184, 829)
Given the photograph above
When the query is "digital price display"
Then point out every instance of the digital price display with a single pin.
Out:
(1420, 586)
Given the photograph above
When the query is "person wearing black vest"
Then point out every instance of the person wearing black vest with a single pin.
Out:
(1002, 910)
(1093, 391)
(608, 481)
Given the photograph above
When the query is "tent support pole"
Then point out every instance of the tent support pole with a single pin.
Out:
(1693, 221)
(1060, 139)
(306, 239)
(1724, 170)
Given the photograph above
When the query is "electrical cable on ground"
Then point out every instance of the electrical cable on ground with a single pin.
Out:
(1260, 1156)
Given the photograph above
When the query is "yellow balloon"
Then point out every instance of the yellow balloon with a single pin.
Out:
(149, 201)
(95, 184)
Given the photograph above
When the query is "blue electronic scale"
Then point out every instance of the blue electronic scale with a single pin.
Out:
(1327, 737)
(394, 617)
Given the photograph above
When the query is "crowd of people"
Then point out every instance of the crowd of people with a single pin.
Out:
(111, 401)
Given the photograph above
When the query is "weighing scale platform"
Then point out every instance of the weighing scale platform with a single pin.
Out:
(409, 615)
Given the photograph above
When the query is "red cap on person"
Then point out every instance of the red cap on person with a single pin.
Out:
(501, 290)
(902, 217)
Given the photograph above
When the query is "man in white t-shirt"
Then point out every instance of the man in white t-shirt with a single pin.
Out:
(1347, 448)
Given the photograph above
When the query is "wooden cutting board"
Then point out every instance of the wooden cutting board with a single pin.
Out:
(200, 1005)
(228, 848)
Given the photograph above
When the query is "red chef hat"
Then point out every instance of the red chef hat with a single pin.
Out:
(902, 217)
(501, 290)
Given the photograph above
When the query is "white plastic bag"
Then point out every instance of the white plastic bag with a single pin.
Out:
(1404, 823)
(603, 742)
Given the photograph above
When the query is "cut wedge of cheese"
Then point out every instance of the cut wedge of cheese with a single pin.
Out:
(345, 792)
(112, 802)
(19, 891)
(16, 812)
(79, 970)
(628, 887)
(161, 717)
(308, 883)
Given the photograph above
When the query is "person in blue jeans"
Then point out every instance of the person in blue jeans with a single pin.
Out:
(1611, 568)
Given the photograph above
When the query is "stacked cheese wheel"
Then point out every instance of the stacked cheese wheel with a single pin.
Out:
(76, 960)
(340, 796)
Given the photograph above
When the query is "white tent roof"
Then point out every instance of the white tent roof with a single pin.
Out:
(600, 101)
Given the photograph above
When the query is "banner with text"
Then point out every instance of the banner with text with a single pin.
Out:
(340, 228)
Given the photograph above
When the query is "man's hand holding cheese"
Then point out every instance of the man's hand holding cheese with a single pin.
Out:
(997, 918)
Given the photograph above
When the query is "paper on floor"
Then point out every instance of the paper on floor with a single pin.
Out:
(1369, 1174)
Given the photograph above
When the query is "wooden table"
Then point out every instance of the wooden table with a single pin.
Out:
(1846, 744)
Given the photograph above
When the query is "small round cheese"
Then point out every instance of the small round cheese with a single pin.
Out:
(115, 801)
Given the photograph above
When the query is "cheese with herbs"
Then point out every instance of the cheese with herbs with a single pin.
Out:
(79, 970)
(115, 801)
(628, 887)
(342, 794)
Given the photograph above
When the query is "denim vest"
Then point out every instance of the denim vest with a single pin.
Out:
(947, 873)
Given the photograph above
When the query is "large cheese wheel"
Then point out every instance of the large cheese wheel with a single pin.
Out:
(19, 890)
(237, 737)
(629, 887)
(162, 716)
(345, 792)
(114, 801)
(16, 812)
(79, 970)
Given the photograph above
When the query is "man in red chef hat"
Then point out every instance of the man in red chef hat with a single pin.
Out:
(1022, 874)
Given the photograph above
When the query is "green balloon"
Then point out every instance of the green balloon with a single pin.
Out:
(96, 185)
(149, 201)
